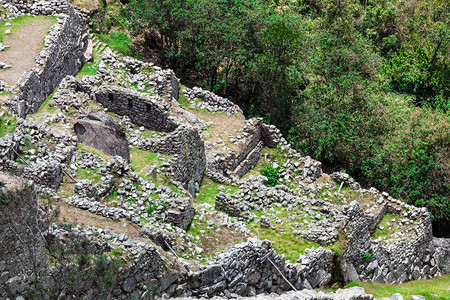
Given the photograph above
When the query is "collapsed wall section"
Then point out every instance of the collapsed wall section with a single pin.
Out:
(254, 268)
(47, 171)
(66, 48)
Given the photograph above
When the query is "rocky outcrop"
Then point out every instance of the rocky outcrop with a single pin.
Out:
(100, 131)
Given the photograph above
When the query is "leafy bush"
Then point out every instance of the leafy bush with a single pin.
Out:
(330, 76)
(271, 173)
(367, 255)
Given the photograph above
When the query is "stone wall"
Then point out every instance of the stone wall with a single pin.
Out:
(168, 85)
(66, 48)
(22, 251)
(48, 169)
(143, 110)
(250, 269)
(39, 7)
(442, 254)
(210, 101)
(186, 144)
(393, 261)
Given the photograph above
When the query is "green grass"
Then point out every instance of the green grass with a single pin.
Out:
(118, 41)
(182, 99)
(385, 231)
(20, 22)
(89, 68)
(209, 189)
(7, 124)
(141, 158)
(287, 243)
(94, 151)
(439, 286)
(283, 238)
(90, 174)
(45, 107)
(150, 134)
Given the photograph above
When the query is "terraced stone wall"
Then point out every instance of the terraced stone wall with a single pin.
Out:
(66, 48)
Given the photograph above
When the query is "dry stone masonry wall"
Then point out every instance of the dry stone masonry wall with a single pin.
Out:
(66, 48)
(146, 96)
(22, 242)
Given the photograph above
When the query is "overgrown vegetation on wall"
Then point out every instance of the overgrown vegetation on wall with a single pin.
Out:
(360, 85)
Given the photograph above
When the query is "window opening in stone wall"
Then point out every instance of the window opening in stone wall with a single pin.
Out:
(130, 103)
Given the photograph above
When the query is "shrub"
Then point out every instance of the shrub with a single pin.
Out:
(151, 208)
(367, 255)
(271, 173)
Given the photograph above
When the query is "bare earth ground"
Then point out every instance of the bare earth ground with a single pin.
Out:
(86, 4)
(25, 45)
(223, 126)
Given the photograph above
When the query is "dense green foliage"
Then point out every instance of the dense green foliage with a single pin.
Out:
(271, 173)
(359, 85)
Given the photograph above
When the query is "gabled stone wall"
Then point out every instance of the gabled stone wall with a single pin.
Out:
(140, 108)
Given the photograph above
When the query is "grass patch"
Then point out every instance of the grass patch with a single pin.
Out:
(141, 158)
(20, 22)
(283, 238)
(387, 219)
(209, 189)
(118, 41)
(287, 243)
(45, 107)
(213, 238)
(7, 124)
(182, 99)
(439, 286)
(150, 134)
(88, 69)
(90, 174)
(94, 151)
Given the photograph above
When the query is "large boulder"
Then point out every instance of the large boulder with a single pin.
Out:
(100, 131)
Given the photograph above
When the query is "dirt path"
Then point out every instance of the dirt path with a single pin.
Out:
(25, 44)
